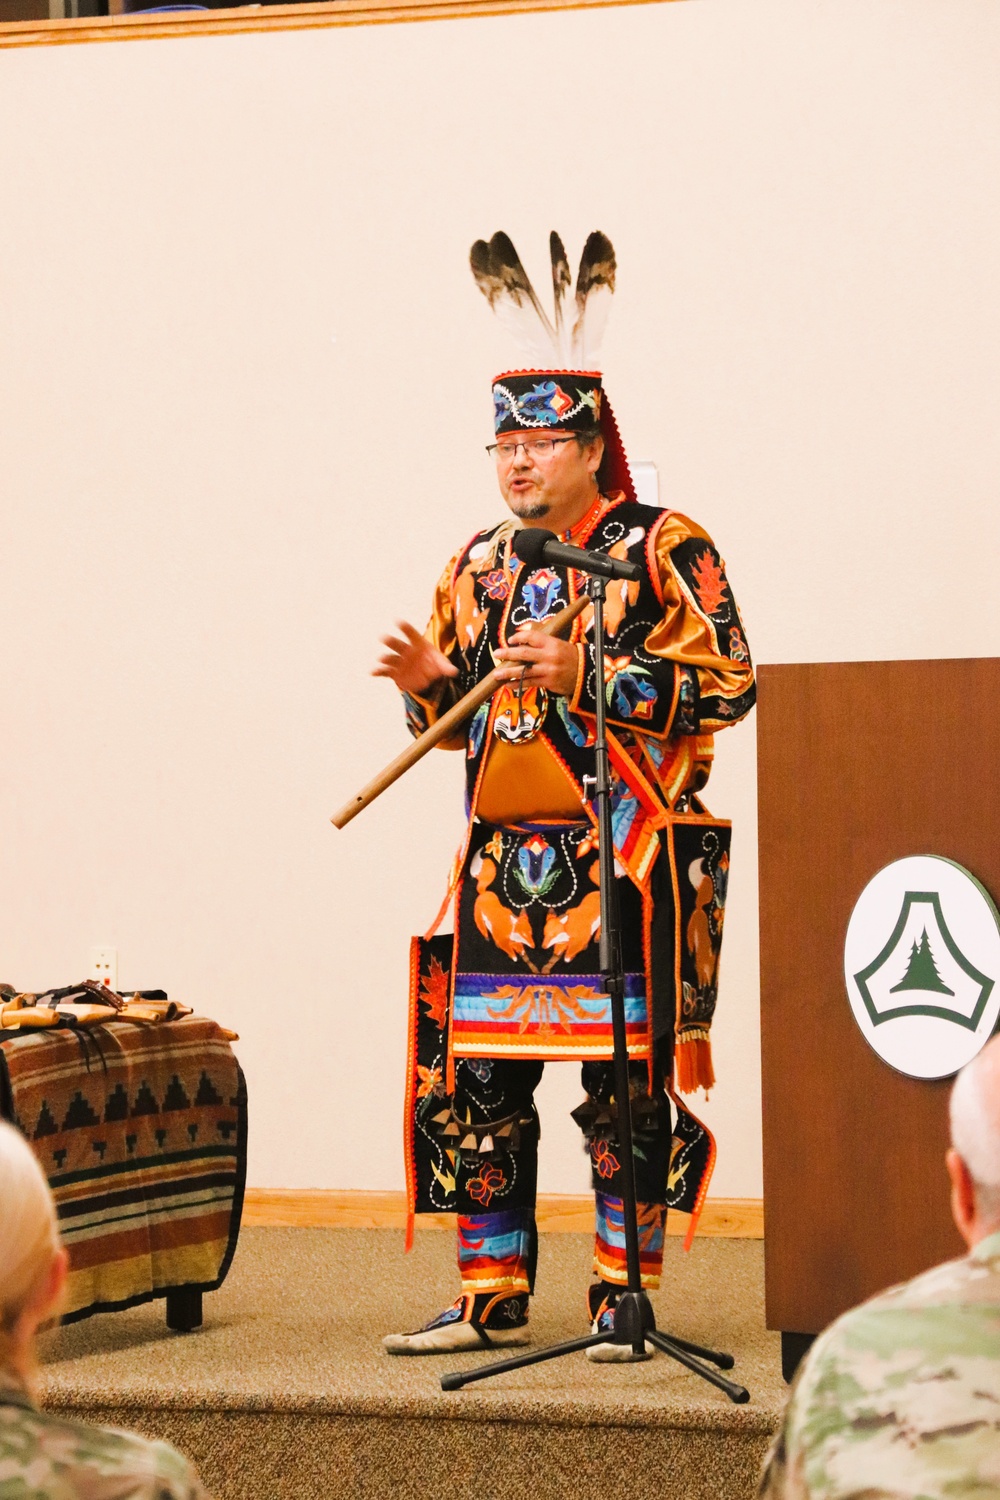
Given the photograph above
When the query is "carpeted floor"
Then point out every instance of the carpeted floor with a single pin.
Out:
(286, 1394)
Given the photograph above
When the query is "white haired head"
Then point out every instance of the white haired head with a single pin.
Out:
(29, 1234)
(975, 1127)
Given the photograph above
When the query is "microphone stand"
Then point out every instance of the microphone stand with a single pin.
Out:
(634, 1321)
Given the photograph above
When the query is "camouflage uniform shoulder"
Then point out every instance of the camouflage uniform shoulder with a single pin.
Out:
(970, 1278)
(44, 1457)
(901, 1396)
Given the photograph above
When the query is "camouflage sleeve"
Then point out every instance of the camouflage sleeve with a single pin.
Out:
(45, 1457)
(898, 1398)
(828, 1412)
(783, 1475)
(781, 1479)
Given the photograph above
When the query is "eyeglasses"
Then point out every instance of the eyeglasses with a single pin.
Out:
(506, 452)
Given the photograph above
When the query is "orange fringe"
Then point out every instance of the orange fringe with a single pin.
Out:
(693, 1065)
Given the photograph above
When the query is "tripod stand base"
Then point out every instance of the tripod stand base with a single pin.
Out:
(634, 1325)
(619, 1354)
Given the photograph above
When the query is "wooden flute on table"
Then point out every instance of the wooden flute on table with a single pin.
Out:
(443, 727)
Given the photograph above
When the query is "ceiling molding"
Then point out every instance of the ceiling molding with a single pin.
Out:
(143, 26)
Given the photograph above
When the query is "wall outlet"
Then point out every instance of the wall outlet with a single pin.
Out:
(104, 966)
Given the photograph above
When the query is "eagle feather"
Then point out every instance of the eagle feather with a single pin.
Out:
(573, 340)
(506, 286)
(595, 285)
(562, 281)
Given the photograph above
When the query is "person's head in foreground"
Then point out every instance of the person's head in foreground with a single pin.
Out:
(974, 1158)
(901, 1396)
(32, 1261)
(41, 1455)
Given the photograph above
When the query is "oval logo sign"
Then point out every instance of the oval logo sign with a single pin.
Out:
(922, 965)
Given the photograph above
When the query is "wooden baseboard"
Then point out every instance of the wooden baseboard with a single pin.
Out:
(558, 1213)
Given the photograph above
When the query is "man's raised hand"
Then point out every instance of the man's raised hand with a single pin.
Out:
(412, 662)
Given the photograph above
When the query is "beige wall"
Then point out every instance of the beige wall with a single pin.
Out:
(243, 387)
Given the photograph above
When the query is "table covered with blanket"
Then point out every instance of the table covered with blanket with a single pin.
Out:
(141, 1131)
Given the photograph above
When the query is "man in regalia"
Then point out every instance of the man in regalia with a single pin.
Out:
(519, 984)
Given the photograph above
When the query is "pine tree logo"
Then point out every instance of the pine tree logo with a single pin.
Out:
(921, 971)
(922, 988)
(922, 965)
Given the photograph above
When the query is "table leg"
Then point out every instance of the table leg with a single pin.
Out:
(184, 1309)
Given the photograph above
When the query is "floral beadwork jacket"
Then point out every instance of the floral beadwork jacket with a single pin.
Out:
(676, 670)
(521, 977)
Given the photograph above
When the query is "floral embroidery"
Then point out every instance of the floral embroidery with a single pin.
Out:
(536, 868)
(709, 582)
(630, 689)
(546, 404)
(737, 645)
(576, 730)
(495, 846)
(541, 592)
(488, 1183)
(606, 1164)
(549, 1007)
(434, 993)
(587, 843)
(430, 1082)
(497, 584)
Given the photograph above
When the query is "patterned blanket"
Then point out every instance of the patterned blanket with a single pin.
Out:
(142, 1133)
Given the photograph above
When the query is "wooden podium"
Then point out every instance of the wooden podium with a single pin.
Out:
(859, 764)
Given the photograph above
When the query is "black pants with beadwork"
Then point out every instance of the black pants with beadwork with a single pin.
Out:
(497, 1245)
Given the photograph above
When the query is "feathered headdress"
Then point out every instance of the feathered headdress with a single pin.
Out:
(562, 390)
(573, 340)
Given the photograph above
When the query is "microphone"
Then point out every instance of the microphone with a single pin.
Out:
(535, 546)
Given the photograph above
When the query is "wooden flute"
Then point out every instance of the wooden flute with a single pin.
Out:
(443, 727)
